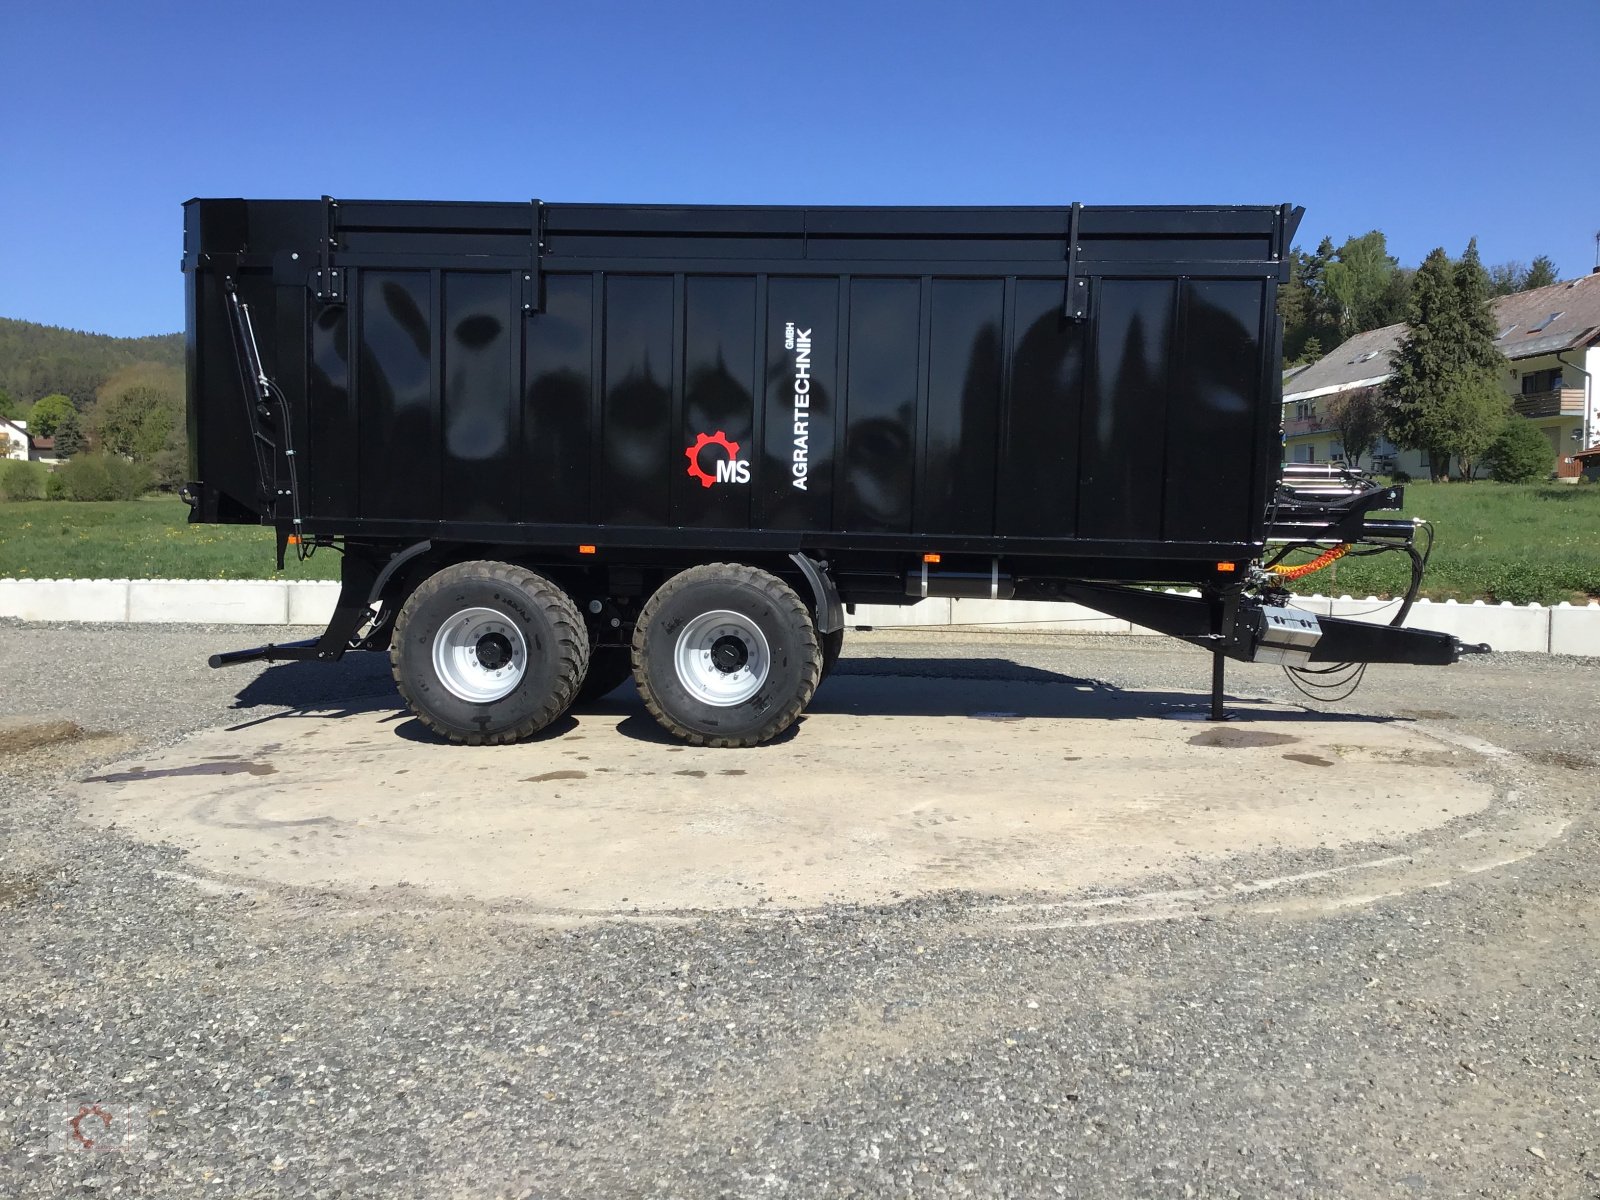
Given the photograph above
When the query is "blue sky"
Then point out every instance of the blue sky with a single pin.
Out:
(1433, 121)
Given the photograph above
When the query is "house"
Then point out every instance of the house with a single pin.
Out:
(1551, 339)
(14, 440)
(18, 444)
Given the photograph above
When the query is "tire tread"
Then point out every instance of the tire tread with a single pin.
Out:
(571, 644)
(781, 595)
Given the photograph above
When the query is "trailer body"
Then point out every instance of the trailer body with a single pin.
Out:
(876, 404)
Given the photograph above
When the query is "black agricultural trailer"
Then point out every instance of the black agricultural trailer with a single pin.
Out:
(558, 444)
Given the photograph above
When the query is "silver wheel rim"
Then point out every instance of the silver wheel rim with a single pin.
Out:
(479, 656)
(722, 658)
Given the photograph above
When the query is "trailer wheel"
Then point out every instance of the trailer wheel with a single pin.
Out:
(609, 668)
(486, 652)
(726, 655)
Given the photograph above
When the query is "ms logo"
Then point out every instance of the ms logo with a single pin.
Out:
(726, 468)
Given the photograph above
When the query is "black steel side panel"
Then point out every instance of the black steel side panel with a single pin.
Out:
(907, 377)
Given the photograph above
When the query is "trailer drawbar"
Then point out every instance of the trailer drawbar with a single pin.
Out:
(559, 445)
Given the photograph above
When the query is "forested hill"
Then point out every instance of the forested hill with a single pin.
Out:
(36, 360)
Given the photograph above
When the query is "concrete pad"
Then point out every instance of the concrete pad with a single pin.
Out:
(64, 599)
(892, 787)
(226, 601)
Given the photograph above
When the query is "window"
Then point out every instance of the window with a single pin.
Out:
(1367, 357)
(1504, 332)
(1302, 454)
(1535, 382)
(1546, 321)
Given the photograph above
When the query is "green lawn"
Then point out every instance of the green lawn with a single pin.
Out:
(1533, 542)
(137, 539)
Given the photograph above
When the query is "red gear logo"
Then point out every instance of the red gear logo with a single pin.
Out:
(700, 443)
(88, 1110)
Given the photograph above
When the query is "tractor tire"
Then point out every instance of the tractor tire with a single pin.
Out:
(726, 655)
(486, 653)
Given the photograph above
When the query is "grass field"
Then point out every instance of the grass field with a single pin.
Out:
(1524, 543)
(137, 539)
(1516, 542)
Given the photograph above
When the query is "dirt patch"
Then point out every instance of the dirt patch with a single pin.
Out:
(139, 774)
(1231, 738)
(18, 735)
(1311, 760)
(858, 810)
(1562, 758)
(18, 889)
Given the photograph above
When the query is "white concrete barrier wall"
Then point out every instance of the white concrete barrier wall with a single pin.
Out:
(1564, 629)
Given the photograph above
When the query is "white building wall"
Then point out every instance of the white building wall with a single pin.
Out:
(15, 443)
(1591, 386)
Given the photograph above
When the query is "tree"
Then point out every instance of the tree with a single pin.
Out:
(49, 413)
(1520, 454)
(1303, 303)
(1507, 277)
(69, 435)
(1444, 396)
(137, 423)
(1391, 306)
(1358, 284)
(1474, 410)
(9, 408)
(1541, 274)
(1479, 328)
(1358, 416)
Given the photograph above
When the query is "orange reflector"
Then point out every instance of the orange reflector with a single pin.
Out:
(585, 549)
(930, 558)
(1227, 566)
(292, 540)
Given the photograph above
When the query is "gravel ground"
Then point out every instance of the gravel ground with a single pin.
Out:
(1438, 1043)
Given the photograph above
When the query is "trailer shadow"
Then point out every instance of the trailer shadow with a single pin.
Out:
(997, 689)
(991, 689)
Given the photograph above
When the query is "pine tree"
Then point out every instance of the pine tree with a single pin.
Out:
(1444, 396)
(69, 436)
(1541, 274)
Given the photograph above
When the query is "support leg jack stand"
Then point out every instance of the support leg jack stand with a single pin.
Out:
(1218, 712)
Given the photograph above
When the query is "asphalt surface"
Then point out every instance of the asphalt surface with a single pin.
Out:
(1436, 1042)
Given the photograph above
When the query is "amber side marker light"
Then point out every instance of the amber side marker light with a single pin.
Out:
(930, 558)
(585, 549)
(292, 540)
(1227, 566)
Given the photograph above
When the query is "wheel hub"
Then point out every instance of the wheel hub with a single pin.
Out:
(479, 655)
(494, 651)
(728, 654)
(722, 658)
